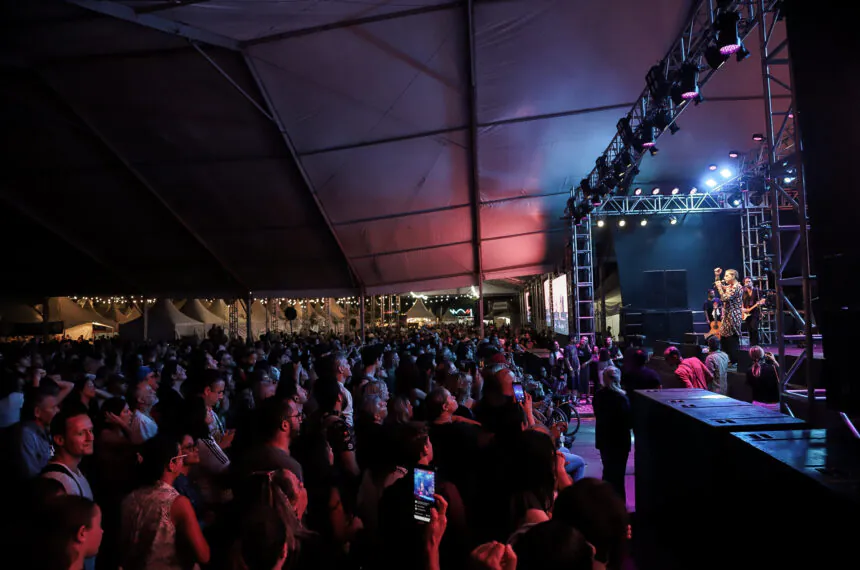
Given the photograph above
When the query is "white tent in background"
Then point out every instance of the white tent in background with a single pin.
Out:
(79, 321)
(180, 303)
(194, 308)
(165, 322)
(114, 314)
(220, 309)
(419, 313)
(133, 313)
(336, 311)
(19, 313)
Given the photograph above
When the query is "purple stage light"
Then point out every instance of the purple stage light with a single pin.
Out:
(730, 49)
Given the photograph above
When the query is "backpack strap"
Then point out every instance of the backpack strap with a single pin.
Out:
(60, 468)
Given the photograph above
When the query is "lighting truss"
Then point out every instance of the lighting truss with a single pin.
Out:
(664, 205)
(690, 46)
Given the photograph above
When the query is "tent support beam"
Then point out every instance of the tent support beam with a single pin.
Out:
(361, 316)
(135, 173)
(165, 25)
(473, 158)
(275, 117)
(350, 23)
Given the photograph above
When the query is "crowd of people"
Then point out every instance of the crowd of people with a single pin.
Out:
(300, 452)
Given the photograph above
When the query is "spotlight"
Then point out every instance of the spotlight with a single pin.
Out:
(644, 222)
(733, 154)
(758, 137)
(726, 173)
(657, 83)
(647, 135)
(622, 223)
(735, 199)
(673, 220)
(585, 184)
(625, 130)
(655, 191)
(711, 182)
(653, 150)
(742, 53)
(674, 128)
(714, 58)
(689, 82)
(727, 33)
(712, 167)
(600, 223)
(637, 192)
(693, 190)
(788, 180)
(675, 191)
(764, 234)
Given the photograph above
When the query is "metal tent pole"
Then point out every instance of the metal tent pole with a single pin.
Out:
(361, 317)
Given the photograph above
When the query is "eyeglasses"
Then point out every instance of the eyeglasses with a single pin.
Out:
(184, 455)
(301, 415)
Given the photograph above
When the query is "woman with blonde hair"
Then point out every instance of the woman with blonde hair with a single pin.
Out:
(613, 422)
(763, 379)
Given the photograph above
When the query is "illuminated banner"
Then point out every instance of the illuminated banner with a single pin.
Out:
(547, 304)
(559, 304)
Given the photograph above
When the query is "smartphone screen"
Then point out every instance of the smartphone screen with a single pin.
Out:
(424, 487)
(518, 392)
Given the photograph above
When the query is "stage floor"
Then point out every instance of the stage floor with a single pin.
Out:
(817, 350)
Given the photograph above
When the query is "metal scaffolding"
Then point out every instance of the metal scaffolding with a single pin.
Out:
(784, 179)
(756, 259)
(581, 305)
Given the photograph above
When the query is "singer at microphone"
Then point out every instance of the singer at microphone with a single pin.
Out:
(731, 293)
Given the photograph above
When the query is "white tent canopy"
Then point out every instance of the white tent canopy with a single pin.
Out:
(419, 312)
(78, 321)
(194, 308)
(165, 322)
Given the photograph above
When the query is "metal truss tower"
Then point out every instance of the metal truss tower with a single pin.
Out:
(581, 312)
(233, 320)
(756, 255)
(784, 178)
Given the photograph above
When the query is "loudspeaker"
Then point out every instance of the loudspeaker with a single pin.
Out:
(680, 323)
(744, 361)
(691, 351)
(676, 289)
(656, 325)
(665, 289)
(654, 283)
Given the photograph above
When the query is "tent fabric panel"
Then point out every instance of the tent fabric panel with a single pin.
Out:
(450, 282)
(541, 157)
(268, 18)
(395, 178)
(528, 215)
(552, 56)
(453, 260)
(369, 82)
(410, 232)
(84, 33)
(520, 252)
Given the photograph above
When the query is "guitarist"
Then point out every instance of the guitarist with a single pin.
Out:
(713, 308)
(752, 300)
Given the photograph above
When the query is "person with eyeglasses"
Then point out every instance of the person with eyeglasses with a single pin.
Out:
(156, 519)
(278, 423)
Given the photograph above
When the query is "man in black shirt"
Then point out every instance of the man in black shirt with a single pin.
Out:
(638, 376)
(752, 298)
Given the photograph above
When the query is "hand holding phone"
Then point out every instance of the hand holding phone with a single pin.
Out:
(519, 393)
(423, 490)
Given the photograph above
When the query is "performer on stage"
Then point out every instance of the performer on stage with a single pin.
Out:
(752, 303)
(713, 308)
(731, 293)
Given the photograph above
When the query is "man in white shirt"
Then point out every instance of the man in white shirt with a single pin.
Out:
(72, 431)
(342, 373)
(717, 362)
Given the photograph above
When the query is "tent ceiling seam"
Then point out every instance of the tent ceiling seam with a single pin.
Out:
(297, 162)
(351, 23)
(168, 26)
(411, 249)
(402, 215)
(140, 178)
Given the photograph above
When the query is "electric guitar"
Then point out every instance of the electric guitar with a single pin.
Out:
(747, 310)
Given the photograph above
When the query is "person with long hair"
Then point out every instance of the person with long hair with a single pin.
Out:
(613, 423)
(763, 378)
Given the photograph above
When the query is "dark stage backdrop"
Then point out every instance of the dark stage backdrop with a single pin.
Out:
(697, 244)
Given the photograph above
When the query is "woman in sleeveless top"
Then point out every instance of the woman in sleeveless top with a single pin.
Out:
(159, 528)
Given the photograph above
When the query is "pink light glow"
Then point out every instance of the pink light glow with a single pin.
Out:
(730, 49)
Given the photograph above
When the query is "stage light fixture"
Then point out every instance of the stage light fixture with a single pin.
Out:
(742, 53)
(758, 137)
(637, 192)
(655, 191)
(735, 199)
(734, 154)
(647, 135)
(712, 167)
(653, 150)
(728, 39)
(689, 82)
(711, 182)
(585, 184)
(657, 84)
(673, 220)
(714, 58)
(726, 173)
(600, 223)
(622, 222)
(788, 180)
(625, 130)
(693, 190)
(674, 128)
(675, 191)
(644, 222)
